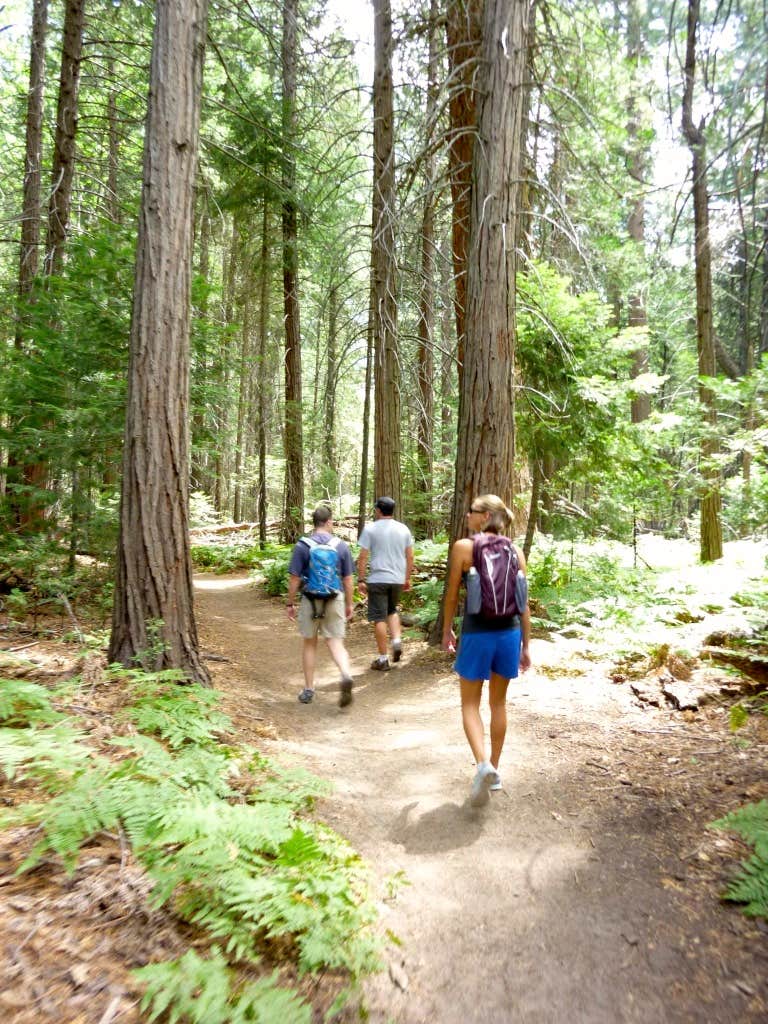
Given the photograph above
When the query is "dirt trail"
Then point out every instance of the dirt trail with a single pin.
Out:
(586, 891)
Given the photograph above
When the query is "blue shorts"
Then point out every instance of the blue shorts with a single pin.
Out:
(482, 653)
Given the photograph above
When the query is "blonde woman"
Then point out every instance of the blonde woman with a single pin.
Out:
(492, 647)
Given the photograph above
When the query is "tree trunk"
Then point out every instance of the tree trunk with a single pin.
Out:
(246, 364)
(293, 521)
(63, 169)
(447, 361)
(261, 433)
(711, 540)
(31, 213)
(486, 438)
(366, 439)
(221, 425)
(533, 508)
(329, 402)
(637, 163)
(387, 475)
(113, 150)
(153, 621)
(200, 364)
(463, 29)
(20, 464)
(426, 327)
(486, 446)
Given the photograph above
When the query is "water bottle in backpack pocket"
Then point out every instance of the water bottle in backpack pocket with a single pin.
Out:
(473, 603)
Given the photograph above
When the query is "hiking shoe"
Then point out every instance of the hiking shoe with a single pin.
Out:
(380, 666)
(495, 786)
(397, 652)
(306, 695)
(345, 697)
(485, 777)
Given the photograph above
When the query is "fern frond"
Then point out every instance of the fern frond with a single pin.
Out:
(204, 992)
(751, 887)
(751, 822)
(25, 703)
(180, 715)
(47, 754)
(286, 785)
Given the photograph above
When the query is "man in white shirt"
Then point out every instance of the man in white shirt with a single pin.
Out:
(389, 545)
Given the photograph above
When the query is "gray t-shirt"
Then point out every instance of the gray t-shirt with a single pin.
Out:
(387, 541)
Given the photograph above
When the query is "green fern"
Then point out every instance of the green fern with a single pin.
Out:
(242, 863)
(179, 714)
(25, 703)
(205, 992)
(750, 886)
(48, 754)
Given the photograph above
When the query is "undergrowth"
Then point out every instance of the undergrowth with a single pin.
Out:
(222, 832)
(750, 885)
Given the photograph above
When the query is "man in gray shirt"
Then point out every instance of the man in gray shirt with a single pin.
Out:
(389, 545)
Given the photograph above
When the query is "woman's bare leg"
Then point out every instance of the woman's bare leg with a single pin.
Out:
(497, 700)
(471, 692)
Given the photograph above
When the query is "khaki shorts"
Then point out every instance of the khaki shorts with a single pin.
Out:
(333, 623)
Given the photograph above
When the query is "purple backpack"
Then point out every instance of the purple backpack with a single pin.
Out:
(503, 587)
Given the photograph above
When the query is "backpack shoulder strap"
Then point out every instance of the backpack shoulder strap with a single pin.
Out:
(308, 541)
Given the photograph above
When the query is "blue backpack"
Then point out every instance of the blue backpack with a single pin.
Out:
(322, 579)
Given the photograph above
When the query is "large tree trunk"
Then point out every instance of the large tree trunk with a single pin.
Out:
(637, 163)
(153, 622)
(711, 540)
(463, 29)
(425, 354)
(486, 438)
(293, 523)
(387, 475)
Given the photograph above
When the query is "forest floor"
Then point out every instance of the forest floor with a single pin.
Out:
(587, 891)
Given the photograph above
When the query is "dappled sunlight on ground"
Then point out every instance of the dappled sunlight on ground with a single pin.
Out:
(206, 581)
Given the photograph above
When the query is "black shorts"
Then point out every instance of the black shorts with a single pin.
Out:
(383, 599)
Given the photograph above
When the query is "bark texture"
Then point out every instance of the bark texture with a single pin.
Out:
(153, 621)
(486, 436)
(463, 31)
(29, 261)
(63, 168)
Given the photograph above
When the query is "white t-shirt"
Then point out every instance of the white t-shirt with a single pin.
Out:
(387, 541)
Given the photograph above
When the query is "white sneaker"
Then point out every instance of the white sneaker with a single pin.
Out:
(495, 786)
(485, 777)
